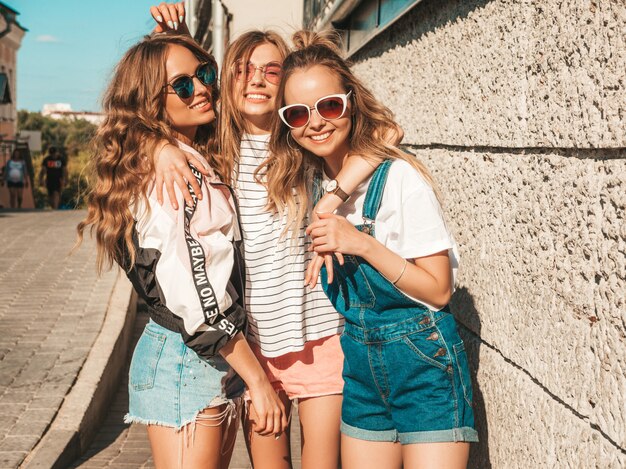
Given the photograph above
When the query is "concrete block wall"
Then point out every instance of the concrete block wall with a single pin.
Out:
(517, 107)
(514, 73)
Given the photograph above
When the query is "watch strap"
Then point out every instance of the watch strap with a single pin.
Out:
(339, 192)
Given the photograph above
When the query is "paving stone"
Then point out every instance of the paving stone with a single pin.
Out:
(26, 426)
(17, 443)
(17, 397)
(11, 458)
(45, 303)
(7, 422)
(12, 409)
(45, 403)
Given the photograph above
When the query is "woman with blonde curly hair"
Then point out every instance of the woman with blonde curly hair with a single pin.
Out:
(186, 372)
(407, 399)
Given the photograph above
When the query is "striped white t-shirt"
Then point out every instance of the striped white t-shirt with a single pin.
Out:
(283, 313)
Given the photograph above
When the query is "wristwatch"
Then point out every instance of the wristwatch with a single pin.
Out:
(333, 188)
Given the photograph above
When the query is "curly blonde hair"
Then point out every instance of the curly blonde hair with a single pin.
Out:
(135, 123)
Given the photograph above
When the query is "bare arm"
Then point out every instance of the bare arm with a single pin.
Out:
(270, 411)
(355, 170)
(426, 278)
(171, 166)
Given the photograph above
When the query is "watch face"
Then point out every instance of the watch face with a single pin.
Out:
(331, 186)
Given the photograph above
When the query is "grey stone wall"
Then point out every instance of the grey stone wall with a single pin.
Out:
(506, 72)
(517, 107)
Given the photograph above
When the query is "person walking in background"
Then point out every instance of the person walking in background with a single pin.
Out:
(16, 178)
(187, 264)
(54, 171)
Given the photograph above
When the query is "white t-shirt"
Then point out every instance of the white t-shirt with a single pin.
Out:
(283, 313)
(410, 221)
(15, 171)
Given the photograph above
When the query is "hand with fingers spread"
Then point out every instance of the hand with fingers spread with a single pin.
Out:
(169, 17)
(171, 165)
(333, 233)
(267, 412)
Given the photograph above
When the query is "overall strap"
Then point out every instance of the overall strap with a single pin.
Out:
(375, 191)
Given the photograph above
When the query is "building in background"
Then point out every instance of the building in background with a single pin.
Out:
(64, 111)
(11, 34)
(214, 23)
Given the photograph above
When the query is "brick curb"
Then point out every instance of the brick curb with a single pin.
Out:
(86, 405)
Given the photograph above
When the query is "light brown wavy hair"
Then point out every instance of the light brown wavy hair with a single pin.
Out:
(231, 123)
(287, 171)
(135, 123)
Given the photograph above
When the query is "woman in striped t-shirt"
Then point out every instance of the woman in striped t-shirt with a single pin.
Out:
(294, 330)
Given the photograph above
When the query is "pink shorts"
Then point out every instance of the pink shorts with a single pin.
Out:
(312, 372)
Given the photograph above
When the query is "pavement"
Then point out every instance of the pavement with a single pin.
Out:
(52, 314)
(66, 335)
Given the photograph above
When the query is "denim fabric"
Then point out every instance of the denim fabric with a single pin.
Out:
(169, 384)
(405, 369)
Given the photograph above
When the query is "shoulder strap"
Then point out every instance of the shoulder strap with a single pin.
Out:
(375, 191)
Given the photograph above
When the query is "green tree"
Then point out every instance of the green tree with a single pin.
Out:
(79, 136)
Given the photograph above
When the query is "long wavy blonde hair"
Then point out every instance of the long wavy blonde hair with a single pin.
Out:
(286, 172)
(231, 123)
(135, 123)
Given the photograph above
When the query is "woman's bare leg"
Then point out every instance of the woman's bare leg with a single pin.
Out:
(177, 449)
(320, 418)
(267, 452)
(362, 454)
(436, 455)
(13, 197)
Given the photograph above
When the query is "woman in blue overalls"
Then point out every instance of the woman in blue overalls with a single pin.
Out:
(407, 395)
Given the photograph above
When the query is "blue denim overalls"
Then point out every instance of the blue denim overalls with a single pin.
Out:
(405, 368)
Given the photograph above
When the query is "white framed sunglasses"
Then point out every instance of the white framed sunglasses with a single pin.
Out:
(329, 108)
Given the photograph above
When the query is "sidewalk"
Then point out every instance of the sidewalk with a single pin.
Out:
(51, 312)
(64, 352)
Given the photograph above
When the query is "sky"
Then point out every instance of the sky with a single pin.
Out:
(71, 47)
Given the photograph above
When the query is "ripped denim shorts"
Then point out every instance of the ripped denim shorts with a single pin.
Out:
(169, 384)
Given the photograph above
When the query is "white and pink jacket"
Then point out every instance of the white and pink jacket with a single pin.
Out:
(189, 263)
